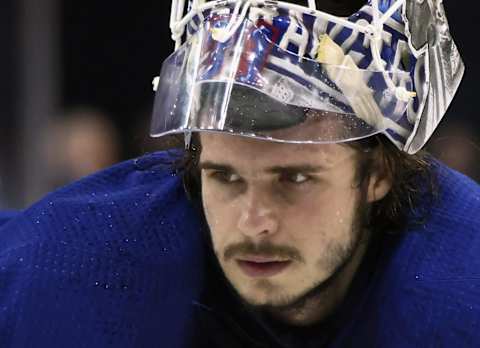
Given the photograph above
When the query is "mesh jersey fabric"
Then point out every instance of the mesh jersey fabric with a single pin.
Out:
(102, 262)
(116, 260)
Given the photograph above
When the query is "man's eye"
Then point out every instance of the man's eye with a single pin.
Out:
(295, 178)
(225, 177)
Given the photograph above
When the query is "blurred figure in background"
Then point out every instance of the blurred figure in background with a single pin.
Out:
(81, 142)
(457, 146)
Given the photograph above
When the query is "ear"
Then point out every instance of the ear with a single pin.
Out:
(379, 186)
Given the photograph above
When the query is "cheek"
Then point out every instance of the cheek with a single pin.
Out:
(327, 216)
(220, 216)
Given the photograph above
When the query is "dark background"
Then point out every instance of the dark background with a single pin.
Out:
(111, 50)
(104, 54)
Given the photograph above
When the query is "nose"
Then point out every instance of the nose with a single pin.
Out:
(257, 216)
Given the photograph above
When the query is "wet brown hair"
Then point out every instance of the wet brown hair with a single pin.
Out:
(414, 184)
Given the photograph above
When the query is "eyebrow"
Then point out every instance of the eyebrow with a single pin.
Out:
(296, 168)
(215, 166)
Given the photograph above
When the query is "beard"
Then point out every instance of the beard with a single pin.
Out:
(321, 289)
(321, 292)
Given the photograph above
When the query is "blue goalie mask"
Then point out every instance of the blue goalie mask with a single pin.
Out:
(290, 73)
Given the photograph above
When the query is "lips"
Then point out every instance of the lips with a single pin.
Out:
(262, 267)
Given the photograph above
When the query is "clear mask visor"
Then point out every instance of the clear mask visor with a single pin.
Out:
(246, 84)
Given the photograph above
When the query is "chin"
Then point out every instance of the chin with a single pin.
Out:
(270, 293)
(266, 295)
(262, 295)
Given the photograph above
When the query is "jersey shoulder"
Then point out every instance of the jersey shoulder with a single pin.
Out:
(428, 282)
(110, 260)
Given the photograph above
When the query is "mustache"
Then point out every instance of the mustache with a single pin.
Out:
(263, 249)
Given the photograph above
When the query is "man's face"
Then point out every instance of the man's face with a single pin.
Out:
(283, 218)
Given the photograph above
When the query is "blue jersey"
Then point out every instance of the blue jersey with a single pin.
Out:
(117, 260)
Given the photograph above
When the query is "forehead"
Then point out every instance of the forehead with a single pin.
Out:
(241, 151)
